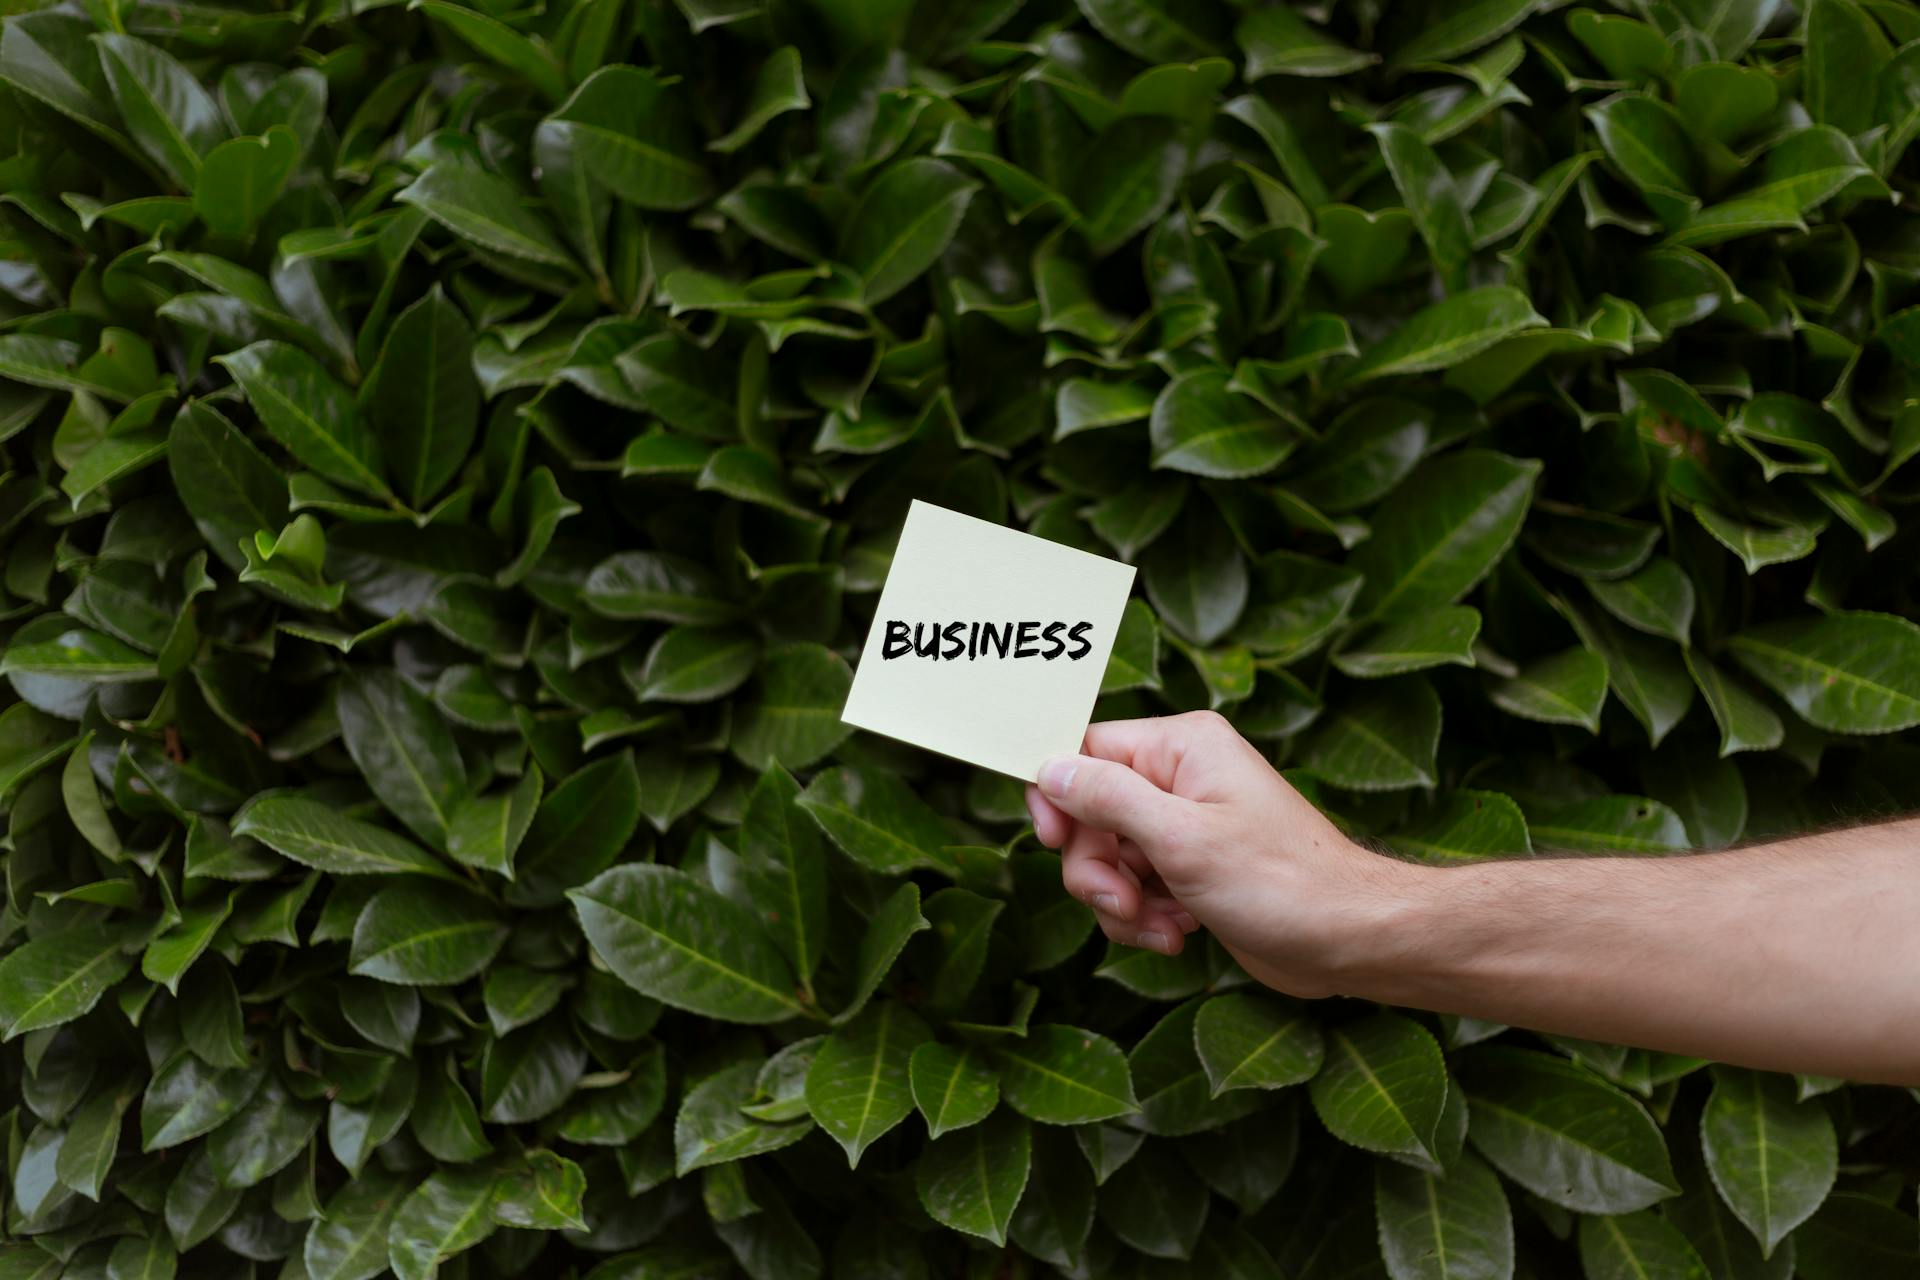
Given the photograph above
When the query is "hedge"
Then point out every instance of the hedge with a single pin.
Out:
(449, 454)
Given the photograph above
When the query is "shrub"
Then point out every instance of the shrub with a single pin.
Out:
(450, 453)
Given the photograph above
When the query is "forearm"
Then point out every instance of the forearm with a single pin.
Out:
(1797, 956)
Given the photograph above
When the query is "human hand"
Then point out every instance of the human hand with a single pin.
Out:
(1170, 824)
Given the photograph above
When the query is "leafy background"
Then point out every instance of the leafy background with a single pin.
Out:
(450, 453)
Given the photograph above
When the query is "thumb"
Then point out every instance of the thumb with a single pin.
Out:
(1112, 797)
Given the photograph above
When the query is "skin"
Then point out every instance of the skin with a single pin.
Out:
(1799, 955)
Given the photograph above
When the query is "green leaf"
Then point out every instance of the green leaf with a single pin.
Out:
(1156, 1216)
(1658, 599)
(579, 829)
(876, 819)
(1466, 826)
(488, 211)
(187, 1098)
(486, 831)
(445, 1215)
(1277, 42)
(1383, 739)
(306, 409)
(1444, 636)
(77, 654)
(163, 106)
(544, 1193)
(1427, 189)
(972, 1179)
(784, 868)
(711, 1129)
(1062, 1075)
(1196, 577)
(858, 1086)
(349, 1241)
(889, 928)
(424, 936)
(903, 223)
(1201, 427)
(1647, 142)
(628, 129)
(1611, 824)
(1847, 672)
(1435, 1226)
(1772, 1157)
(1844, 52)
(1461, 29)
(422, 397)
(655, 585)
(952, 1086)
(696, 664)
(1756, 545)
(1464, 512)
(1854, 1235)
(315, 834)
(777, 89)
(404, 750)
(1382, 1087)
(1746, 723)
(241, 178)
(1445, 334)
(1563, 1133)
(1568, 687)
(668, 936)
(1252, 1042)
(1637, 1246)
(47, 981)
(226, 484)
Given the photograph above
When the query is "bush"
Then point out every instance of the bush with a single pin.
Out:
(450, 454)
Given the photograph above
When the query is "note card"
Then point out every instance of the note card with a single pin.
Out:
(988, 644)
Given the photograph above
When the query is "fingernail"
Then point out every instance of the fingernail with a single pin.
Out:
(1056, 776)
(1152, 940)
(1107, 902)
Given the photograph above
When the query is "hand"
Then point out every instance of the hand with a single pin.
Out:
(1169, 824)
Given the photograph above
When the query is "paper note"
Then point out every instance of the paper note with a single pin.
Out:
(988, 644)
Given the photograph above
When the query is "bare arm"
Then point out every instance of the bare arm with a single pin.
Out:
(1798, 956)
(1802, 955)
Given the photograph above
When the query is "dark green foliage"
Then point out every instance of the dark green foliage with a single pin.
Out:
(448, 454)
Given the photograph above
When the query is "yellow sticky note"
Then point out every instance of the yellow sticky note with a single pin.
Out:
(988, 644)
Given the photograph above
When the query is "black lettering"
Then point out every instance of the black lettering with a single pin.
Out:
(1078, 636)
(896, 644)
(999, 638)
(951, 634)
(930, 647)
(973, 641)
(1052, 636)
(1029, 642)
